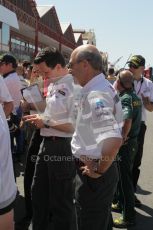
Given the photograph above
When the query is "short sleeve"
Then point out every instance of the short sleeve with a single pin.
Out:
(104, 124)
(151, 91)
(4, 93)
(127, 107)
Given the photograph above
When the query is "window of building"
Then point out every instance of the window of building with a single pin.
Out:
(5, 34)
(0, 34)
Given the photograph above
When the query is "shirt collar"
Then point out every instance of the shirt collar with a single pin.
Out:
(94, 81)
(6, 74)
(125, 91)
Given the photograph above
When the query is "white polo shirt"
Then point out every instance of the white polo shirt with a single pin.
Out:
(8, 187)
(77, 96)
(144, 86)
(13, 84)
(99, 117)
(59, 106)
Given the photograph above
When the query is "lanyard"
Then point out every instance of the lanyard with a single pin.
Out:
(140, 86)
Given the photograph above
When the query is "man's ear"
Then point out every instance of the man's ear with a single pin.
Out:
(85, 63)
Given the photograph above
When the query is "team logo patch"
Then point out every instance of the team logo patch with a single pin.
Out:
(99, 104)
(61, 92)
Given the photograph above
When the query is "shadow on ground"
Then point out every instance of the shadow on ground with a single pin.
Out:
(144, 222)
(142, 191)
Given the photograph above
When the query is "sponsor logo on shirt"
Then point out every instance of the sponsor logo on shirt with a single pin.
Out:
(99, 104)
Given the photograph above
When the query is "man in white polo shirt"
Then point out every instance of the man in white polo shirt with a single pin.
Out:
(96, 140)
(8, 66)
(8, 187)
(52, 190)
(144, 90)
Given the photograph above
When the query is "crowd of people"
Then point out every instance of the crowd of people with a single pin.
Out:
(82, 131)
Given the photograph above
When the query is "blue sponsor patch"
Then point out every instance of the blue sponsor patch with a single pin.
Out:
(99, 104)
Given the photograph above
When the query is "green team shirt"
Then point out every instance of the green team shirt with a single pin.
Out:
(131, 105)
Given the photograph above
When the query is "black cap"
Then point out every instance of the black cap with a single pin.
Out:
(137, 61)
(8, 58)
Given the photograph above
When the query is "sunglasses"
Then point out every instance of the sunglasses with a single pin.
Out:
(134, 66)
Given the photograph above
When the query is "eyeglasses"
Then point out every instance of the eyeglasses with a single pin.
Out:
(71, 64)
(133, 66)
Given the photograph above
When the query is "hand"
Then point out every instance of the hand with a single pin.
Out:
(145, 100)
(87, 169)
(34, 119)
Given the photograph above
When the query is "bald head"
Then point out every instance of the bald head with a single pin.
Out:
(126, 79)
(89, 53)
(87, 47)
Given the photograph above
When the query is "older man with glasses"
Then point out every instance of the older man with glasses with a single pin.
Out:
(96, 140)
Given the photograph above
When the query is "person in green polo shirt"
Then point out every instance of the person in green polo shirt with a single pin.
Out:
(131, 106)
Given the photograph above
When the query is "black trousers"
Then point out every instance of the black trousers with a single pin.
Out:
(125, 189)
(94, 198)
(29, 170)
(139, 154)
(53, 185)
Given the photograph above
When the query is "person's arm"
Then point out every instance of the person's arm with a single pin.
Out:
(127, 108)
(96, 168)
(111, 147)
(126, 128)
(8, 107)
(5, 98)
(37, 120)
(68, 128)
(147, 103)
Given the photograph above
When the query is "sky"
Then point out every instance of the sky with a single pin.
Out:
(122, 27)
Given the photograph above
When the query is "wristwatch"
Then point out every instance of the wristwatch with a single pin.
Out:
(46, 124)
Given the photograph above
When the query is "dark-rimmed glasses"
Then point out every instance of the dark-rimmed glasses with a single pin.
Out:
(71, 64)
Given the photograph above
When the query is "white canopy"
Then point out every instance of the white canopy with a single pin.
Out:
(8, 17)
